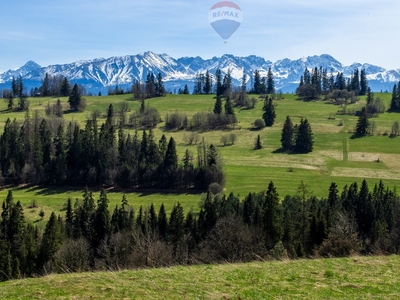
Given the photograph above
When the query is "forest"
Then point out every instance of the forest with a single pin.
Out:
(90, 235)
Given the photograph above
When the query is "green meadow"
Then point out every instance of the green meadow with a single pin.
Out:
(339, 278)
(336, 156)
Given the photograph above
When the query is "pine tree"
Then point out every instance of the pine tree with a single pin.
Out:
(186, 90)
(159, 86)
(65, 89)
(51, 241)
(171, 156)
(363, 83)
(272, 218)
(257, 82)
(304, 139)
(162, 223)
(75, 99)
(218, 105)
(258, 145)
(229, 111)
(270, 86)
(101, 222)
(227, 84)
(395, 102)
(269, 114)
(287, 135)
(208, 83)
(219, 86)
(176, 226)
(362, 124)
(243, 82)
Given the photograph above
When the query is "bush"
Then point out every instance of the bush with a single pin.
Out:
(191, 138)
(215, 188)
(259, 124)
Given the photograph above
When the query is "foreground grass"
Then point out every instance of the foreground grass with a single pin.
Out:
(351, 278)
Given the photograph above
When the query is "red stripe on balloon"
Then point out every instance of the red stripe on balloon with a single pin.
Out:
(225, 4)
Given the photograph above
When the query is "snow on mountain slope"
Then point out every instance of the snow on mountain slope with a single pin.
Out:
(124, 70)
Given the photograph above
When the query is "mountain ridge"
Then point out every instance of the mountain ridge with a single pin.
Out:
(102, 73)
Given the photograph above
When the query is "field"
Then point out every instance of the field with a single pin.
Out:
(336, 157)
(340, 278)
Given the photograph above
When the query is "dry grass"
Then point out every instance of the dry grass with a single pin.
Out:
(344, 278)
(366, 173)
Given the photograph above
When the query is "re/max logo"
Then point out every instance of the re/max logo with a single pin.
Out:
(226, 14)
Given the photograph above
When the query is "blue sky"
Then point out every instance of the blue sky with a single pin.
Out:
(64, 31)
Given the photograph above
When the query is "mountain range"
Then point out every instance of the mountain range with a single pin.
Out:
(101, 73)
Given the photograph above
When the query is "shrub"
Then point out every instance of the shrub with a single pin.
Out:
(259, 124)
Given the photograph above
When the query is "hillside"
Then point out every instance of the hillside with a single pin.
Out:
(342, 278)
(336, 157)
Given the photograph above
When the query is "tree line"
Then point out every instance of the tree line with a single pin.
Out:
(317, 82)
(92, 236)
(44, 151)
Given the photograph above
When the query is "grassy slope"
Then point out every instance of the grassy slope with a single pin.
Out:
(336, 157)
(351, 278)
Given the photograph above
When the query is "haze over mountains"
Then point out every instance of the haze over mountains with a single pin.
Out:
(100, 73)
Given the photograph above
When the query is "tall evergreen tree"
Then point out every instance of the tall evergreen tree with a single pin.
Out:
(304, 139)
(257, 82)
(219, 86)
(362, 124)
(65, 89)
(208, 83)
(102, 220)
(363, 83)
(287, 135)
(258, 144)
(75, 99)
(270, 85)
(269, 114)
(395, 102)
(272, 218)
(218, 105)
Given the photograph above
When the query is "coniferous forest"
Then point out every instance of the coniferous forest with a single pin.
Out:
(37, 152)
(90, 235)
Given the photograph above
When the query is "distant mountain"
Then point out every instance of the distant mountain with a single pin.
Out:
(101, 73)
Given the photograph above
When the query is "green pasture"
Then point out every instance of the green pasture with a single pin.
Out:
(336, 156)
(339, 278)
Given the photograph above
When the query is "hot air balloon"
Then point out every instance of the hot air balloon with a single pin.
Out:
(225, 17)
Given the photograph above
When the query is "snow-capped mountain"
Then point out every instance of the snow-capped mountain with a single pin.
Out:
(101, 73)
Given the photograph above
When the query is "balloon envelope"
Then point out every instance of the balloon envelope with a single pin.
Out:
(225, 17)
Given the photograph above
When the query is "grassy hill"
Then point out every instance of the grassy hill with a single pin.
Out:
(342, 278)
(336, 157)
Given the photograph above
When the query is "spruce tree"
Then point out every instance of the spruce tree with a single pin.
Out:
(258, 145)
(304, 139)
(218, 106)
(257, 82)
(363, 83)
(395, 102)
(270, 85)
(362, 124)
(287, 135)
(269, 114)
(219, 87)
(162, 222)
(208, 83)
(272, 218)
(102, 220)
(75, 98)
(186, 90)
(171, 156)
